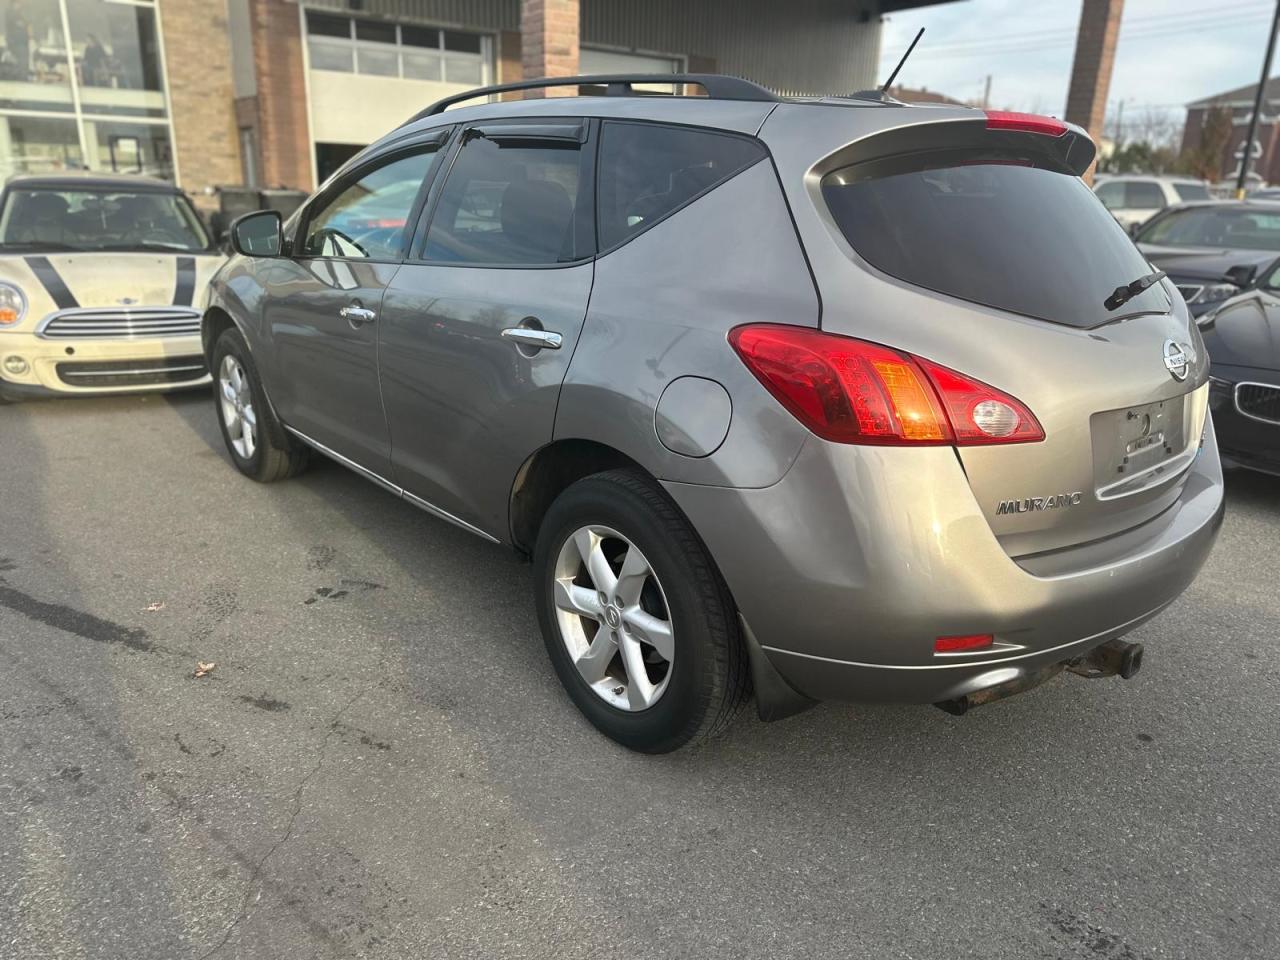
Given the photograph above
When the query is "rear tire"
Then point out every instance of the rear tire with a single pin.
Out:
(259, 445)
(648, 648)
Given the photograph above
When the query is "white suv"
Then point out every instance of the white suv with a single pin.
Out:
(1135, 199)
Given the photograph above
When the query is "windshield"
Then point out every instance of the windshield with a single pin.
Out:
(993, 230)
(1224, 227)
(99, 220)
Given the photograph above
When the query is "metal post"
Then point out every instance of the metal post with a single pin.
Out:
(1257, 106)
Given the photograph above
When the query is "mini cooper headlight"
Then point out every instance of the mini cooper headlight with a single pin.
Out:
(13, 305)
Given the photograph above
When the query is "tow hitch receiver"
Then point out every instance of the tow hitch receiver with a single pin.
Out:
(1113, 658)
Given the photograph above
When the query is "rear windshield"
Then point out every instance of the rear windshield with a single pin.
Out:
(1223, 227)
(1191, 191)
(992, 230)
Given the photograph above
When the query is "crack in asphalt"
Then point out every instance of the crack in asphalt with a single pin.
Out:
(254, 891)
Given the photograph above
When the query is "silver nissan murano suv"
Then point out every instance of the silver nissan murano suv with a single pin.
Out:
(811, 399)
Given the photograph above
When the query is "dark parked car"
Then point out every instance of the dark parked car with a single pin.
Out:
(1212, 250)
(1243, 340)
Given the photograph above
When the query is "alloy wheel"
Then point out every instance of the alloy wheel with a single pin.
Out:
(613, 618)
(236, 403)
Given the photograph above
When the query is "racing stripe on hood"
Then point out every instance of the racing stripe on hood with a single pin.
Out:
(185, 287)
(51, 280)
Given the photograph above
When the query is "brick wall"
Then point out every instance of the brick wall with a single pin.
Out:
(1091, 71)
(197, 54)
(284, 138)
(549, 46)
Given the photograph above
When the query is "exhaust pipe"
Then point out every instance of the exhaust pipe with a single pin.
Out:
(1022, 682)
(1113, 658)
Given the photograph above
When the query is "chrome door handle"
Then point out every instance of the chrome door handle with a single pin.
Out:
(531, 337)
(357, 315)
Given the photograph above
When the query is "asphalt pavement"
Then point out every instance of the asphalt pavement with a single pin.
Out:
(381, 763)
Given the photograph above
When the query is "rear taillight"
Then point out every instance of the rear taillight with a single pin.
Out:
(852, 391)
(1025, 123)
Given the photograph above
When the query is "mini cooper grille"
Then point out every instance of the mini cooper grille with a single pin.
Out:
(132, 373)
(1258, 400)
(1189, 291)
(122, 323)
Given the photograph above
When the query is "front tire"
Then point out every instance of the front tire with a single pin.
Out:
(259, 446)
(637, 620)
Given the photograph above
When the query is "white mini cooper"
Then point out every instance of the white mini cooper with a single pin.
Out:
(100, 285)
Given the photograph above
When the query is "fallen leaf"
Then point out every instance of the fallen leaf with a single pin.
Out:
(203, 668)
(153, 607)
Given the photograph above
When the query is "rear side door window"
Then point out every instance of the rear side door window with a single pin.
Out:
(649, 171)
(516, 195)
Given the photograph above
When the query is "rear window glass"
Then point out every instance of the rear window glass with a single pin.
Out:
(1221, 227)
(1191, 191)
(992, 230)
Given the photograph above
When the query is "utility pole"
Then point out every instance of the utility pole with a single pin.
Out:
(1247, 154)
(1120, 123)
(986, 93)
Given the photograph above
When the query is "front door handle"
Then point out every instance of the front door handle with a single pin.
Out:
(357, 315)
(532, 337)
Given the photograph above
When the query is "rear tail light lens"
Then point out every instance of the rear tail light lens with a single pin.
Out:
(852, 391)
(1025, 123)
(974, 641)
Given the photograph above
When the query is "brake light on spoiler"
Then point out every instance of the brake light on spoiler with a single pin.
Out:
(853, 391)
(1025, 123)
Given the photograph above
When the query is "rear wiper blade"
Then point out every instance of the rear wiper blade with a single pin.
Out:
(1122, 295)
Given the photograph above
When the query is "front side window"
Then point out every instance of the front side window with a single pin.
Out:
(991, 228)
(1143, 195)
(648, 171)
(1216, 227)
(367, 219)
(509, 201)
(99, 220)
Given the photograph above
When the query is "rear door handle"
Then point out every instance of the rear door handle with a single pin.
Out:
(532, 337)
(357, 315)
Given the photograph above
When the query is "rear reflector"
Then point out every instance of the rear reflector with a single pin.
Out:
(1025, 123)
(852, 391)
(975, 641)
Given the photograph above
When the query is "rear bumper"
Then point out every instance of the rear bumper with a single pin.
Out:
(849, 568)
(71, 366)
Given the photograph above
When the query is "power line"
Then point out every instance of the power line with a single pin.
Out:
(1152, 33)
(1184, 22)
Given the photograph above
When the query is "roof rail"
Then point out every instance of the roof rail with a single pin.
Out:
(718, 87)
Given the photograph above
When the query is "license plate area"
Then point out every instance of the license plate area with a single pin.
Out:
(1136, 448)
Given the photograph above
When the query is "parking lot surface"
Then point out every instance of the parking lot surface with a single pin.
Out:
(381, 764)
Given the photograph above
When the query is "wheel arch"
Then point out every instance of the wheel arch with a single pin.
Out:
(215, 321)
(548, 472)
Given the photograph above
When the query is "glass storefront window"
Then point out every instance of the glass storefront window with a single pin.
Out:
(385, 49)
(110, 63)
(121, 147)
(38, 144)
(33, 64)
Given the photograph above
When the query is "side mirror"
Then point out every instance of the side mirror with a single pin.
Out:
(257, 234)
(1134, 228)
(1241, 275)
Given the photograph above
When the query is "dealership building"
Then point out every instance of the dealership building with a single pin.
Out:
(278, 93)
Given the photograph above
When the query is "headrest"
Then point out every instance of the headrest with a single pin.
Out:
(536, 215)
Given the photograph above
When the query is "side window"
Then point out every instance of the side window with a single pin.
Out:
(648, 171)
(367, 219)
(1111, 195)
(1144, 195)
(509, 201)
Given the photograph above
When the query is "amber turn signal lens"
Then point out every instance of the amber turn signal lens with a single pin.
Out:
(9, 315)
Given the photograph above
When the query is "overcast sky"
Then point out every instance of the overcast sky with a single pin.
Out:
(1171, 52)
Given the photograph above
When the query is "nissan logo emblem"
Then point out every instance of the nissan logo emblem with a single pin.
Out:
(1176, 360)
